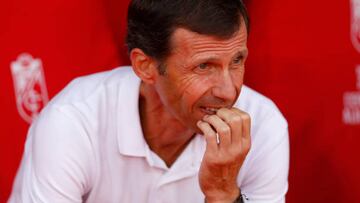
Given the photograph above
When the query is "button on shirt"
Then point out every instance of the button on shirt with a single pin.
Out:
(87, 146)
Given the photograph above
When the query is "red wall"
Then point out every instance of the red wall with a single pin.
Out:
(301, 56)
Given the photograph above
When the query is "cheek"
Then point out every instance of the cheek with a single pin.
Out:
(237, 77)
(193, 88)
(238, 80)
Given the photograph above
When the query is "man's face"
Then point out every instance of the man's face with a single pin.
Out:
(203, 74)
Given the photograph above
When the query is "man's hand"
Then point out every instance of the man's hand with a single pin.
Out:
(222, 161)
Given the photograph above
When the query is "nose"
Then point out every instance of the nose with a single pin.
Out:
(224, 87)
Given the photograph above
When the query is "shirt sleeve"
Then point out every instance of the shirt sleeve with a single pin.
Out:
(56, 165)
(266, 179)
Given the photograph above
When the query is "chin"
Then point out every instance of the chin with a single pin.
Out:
(191, 123)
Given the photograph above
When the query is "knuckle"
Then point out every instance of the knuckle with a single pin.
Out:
(222, 111)
(201, 124)
(212, 117)
(211, 133)
(225, 130)
(246, 117)
(235, 119)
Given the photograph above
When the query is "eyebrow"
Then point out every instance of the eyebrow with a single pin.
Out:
(243, 52)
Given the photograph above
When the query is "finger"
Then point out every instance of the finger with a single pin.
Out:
(210, 135)
(246, 125)
(222, 128)
(234, 120)
(246, 138)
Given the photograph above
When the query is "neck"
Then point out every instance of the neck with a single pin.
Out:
(165, 135)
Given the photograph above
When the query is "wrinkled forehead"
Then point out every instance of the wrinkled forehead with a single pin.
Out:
(184, 41)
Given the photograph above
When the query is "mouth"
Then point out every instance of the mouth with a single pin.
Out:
(209, 110)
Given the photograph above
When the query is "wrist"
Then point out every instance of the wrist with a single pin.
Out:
(223, 197)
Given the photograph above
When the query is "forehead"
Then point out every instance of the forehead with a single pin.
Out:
(186, 42)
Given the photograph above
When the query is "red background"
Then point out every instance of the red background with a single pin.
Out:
(301, 56)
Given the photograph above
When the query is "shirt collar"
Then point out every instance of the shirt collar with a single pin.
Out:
(129, 132)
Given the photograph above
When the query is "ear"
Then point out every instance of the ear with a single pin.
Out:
(143, 65)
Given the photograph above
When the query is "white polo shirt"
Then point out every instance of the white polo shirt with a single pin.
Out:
(87, 146)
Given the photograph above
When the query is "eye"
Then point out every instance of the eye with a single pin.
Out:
(203, 66)
(238, 60)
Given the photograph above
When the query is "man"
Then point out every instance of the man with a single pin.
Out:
(173, 128)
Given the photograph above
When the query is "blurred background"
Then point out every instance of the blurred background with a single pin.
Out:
(304, 55)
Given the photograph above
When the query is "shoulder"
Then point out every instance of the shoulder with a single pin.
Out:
(85, 104)
(85, 87)
(81, 110)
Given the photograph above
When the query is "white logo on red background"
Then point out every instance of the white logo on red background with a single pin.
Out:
(351, 100)
(355, 24)
(30, 88)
